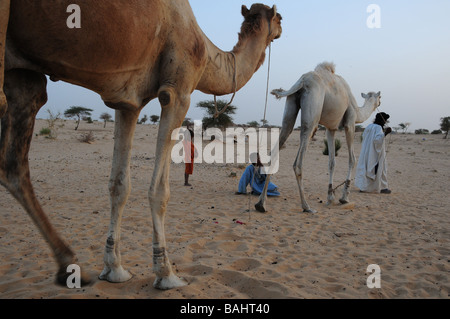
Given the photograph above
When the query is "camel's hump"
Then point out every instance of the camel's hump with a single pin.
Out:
(327, 66)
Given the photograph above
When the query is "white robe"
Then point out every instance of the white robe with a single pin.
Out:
(373, 153)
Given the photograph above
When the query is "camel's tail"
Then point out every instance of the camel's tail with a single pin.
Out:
(280, 93)
(291, 110)
(4, 18)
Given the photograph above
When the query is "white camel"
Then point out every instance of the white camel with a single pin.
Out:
(325, 98)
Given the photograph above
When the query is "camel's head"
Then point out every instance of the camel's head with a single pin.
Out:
(373, 99)
(258, 18)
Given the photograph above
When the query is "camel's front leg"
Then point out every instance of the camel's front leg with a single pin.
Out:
(174, 109)
(350, 135)
(331, 164)
(119, 187)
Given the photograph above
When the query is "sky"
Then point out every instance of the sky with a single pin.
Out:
(407, 58)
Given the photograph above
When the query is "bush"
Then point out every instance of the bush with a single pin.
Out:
(337, 147)
(87, 138)
(52, 128)
(45, 131)
(422, 131)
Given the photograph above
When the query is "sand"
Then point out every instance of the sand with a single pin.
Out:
(222, 250)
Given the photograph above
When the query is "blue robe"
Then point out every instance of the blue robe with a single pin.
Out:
(257, 182)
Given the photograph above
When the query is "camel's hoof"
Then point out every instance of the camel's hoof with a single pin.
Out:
(62, 276)
(170, 282)
(310, 211)
(330, 202)
(118, 275)
(260, 208)
(343, 201)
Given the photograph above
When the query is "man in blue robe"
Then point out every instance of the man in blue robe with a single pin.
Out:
(252, 176)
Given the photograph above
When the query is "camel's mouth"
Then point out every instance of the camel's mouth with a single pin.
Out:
(277, 37)
(279, 26)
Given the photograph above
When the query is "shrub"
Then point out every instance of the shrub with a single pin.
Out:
(45, 131)
(87, 138)
(422, 131)
(52, 127)
(445, 125)
(337, 147)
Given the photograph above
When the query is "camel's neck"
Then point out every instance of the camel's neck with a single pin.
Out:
(224, 67)
(363, 113)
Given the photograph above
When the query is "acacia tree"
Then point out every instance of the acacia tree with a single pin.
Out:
(404, 126)
(78, 112)
(445, 125)
(105, 117)
(144, 120)
(154, 119)
(223, 121)
(254, 124)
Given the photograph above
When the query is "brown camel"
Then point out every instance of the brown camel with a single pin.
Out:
(129, 52)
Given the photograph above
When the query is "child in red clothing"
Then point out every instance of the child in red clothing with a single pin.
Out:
(190, 155)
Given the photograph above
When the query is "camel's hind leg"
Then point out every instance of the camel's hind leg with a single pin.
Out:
(4, 18)
(290, 117)
(331, 164)
(311, 104)
(350, 136)
(26, 93)
(174, 109)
